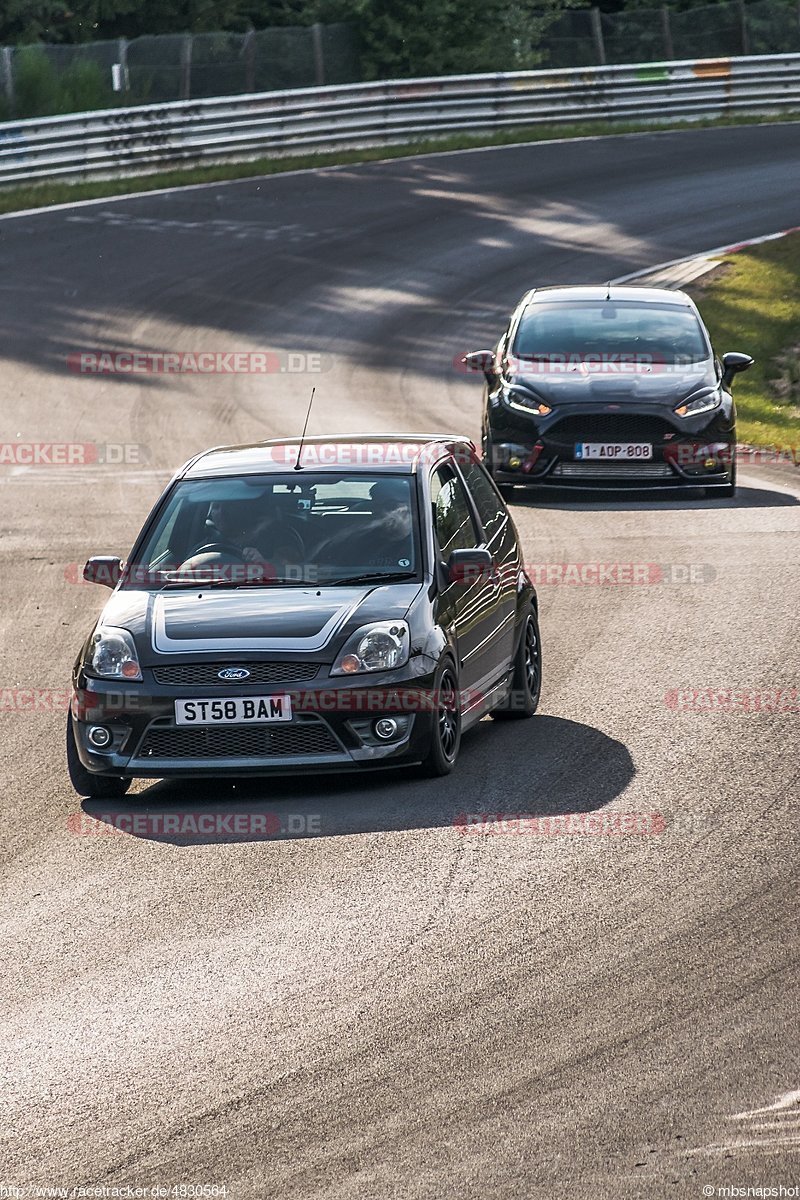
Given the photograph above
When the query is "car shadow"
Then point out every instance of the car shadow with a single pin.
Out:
(598, 500)
(547, 767)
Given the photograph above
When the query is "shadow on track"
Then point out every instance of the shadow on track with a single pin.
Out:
(564, 499)
(544, 768)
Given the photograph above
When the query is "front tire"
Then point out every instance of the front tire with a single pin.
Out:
(526, 679)
(446, 732)
(506, 490)
(730, 488)
(94, 787)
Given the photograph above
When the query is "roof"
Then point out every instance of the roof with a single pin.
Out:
(372, 453)
(642, 295)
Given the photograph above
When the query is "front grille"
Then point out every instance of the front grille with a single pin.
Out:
(298, 739)
(203, 674)
(608, 427)
(609, 470)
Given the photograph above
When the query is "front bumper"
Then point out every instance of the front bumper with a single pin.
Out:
(613, 476)
(332, 727)
(547, 457)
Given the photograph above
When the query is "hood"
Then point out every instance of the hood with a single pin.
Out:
(257, 620)
(630, 384)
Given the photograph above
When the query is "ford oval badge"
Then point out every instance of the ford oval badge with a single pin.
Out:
(229, 674)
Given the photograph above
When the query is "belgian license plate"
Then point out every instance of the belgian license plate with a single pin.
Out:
(615, 451)
(243, 710)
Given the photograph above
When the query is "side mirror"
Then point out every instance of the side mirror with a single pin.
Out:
(103, 569)
(468, 566)
(732, 364)
(480, 360)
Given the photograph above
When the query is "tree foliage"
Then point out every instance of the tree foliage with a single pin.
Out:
(27, 21)
(399, 37)
(405, 38)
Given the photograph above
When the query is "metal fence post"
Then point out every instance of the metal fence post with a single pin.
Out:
(186, 67)
(597, 34)
(7, 71)
(744, 33)
(666, 29)
(249, 56)
(122, 59)
(319, 57)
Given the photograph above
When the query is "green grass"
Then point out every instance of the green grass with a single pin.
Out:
(754, 306)
(14, 198)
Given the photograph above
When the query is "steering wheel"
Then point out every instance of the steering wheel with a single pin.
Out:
(281, 536)
(217, 548)
(198, 561)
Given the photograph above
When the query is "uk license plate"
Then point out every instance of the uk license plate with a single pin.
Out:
(241, 710)
(614, 451)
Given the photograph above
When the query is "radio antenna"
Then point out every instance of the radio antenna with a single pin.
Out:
(608, 291)
(297, 465)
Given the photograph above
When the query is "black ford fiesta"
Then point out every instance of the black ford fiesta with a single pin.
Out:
(336, 605)
(609, 387)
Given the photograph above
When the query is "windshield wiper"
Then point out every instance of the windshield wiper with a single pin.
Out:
(194, 584)
(372, 577)
(366, 577)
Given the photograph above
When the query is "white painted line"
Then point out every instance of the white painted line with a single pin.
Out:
(718, 251)
(787, 1101)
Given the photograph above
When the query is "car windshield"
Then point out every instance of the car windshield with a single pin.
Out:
(610, 332)
(262, 530)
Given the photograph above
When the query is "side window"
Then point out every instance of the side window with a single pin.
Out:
(455, 528)
(490, 507)
(163, 544)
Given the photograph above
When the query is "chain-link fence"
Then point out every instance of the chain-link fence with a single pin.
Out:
(46, 79)
(587, 37)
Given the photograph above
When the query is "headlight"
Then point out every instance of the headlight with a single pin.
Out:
(705, 402)
(114, 654)
(526, 402)
(379, 647)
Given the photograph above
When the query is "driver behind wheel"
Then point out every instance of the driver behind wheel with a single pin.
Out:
(232, 522)
(230, 546)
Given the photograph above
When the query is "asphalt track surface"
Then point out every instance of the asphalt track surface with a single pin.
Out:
(371, 1003)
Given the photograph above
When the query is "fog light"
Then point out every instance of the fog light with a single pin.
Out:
(99, 736)
(514, 462)
(385, 728)
(710, 464)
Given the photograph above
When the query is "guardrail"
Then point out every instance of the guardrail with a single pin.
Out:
(128, 140)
